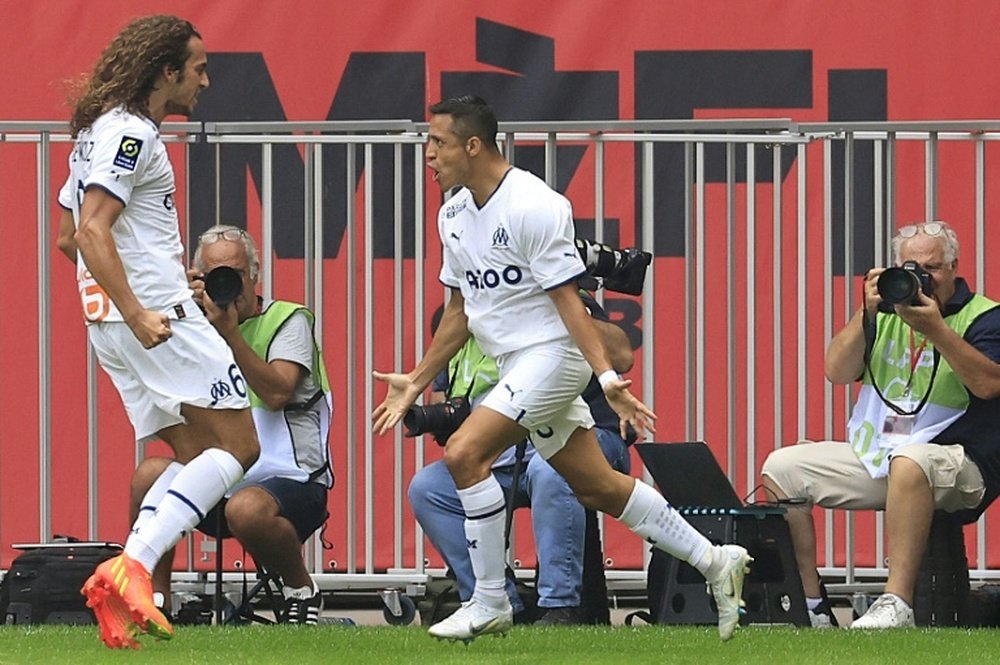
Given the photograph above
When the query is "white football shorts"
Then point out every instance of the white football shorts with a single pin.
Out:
(195, 366)
(540, 388)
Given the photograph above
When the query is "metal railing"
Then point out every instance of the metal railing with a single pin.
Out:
(760, 226)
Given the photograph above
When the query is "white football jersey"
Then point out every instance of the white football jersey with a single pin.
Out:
(505, 256)
(122, 154)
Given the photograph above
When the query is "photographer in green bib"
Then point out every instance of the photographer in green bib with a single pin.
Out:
(924, 434)
(282, 499)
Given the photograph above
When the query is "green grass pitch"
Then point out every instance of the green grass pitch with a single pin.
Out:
(389, 645)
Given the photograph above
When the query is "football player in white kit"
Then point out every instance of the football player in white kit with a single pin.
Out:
(512, 267)
(175, 374)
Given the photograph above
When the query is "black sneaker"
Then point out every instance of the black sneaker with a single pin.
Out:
(303, 611)
(561, 616)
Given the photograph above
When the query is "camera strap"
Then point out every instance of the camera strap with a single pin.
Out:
(869, 328)
(515, 481)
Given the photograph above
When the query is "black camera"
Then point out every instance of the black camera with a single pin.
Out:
(902, 285)
(621, 270)
(440, 420)
(223, 285)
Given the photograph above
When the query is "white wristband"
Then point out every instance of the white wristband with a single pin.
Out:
(607, 377)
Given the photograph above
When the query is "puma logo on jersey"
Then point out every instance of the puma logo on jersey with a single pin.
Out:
(456, 236)
(512, 391)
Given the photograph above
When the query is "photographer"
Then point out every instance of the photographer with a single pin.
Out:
(557, 518)
(923, 432)
(282, 498)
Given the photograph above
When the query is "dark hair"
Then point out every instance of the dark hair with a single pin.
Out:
(127, 69)
(471, 116)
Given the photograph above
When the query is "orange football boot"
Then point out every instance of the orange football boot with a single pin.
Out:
(117, 630)
(121, 595)
(131, 582)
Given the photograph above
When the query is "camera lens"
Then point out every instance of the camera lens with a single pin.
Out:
(898, 286)
(413, 421)
(223, 285)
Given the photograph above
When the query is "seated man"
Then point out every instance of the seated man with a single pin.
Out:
(557, 517)
(282, 498)
(923, 433)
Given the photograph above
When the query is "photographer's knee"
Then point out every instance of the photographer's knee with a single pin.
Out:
(246, 509)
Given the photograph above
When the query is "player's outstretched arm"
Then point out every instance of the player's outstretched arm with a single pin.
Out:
(404, 389)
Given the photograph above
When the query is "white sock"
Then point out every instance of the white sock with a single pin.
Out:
(302, 593)
(155, 494)
(485, 514)
(813, 603)
(192, 493)
(649, 515)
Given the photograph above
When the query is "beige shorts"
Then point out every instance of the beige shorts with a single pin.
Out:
(195, 366)
(539, 388)
(829, 474)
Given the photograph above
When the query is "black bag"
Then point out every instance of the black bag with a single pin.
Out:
(43, 583)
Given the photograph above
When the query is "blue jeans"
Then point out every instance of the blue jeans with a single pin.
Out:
(557, 520)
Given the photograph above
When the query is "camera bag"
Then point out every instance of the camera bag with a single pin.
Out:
(44, 581)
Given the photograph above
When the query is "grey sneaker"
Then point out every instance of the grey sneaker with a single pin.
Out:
(727, 588)
(818, 619)
(473, 619)
(889, 611)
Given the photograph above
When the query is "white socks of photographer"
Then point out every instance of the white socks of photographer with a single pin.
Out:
(485, 514)
(649, 515)
(195, 489)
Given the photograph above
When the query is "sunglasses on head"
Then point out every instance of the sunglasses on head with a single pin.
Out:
(929, 228)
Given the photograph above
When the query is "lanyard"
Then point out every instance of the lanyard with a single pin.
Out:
(915, 353)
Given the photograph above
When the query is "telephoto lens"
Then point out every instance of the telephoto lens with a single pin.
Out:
(223, 285)
(902, 285)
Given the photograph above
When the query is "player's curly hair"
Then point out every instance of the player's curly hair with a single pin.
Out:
(127, 69)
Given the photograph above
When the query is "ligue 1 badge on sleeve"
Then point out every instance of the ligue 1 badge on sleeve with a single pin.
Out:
(128, 153)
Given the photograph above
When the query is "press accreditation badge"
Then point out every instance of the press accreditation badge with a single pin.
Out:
(897, 428)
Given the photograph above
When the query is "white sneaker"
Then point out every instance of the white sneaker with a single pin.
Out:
(473, 619)
(727, 588)
(889, 611)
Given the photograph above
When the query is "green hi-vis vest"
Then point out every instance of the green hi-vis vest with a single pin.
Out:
(872, 429)
(259, 332)
(471, 368)
(293, 440)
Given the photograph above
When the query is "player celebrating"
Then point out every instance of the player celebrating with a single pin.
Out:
(175, 374)
(511, 264)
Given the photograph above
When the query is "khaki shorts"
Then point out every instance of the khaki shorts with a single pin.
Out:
(195, 366)
(539, 388)
(829, 474)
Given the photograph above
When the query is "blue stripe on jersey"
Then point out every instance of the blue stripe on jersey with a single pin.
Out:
(568, 281)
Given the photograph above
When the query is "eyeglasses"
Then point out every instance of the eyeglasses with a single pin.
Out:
(930, 228)
(232, 235)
